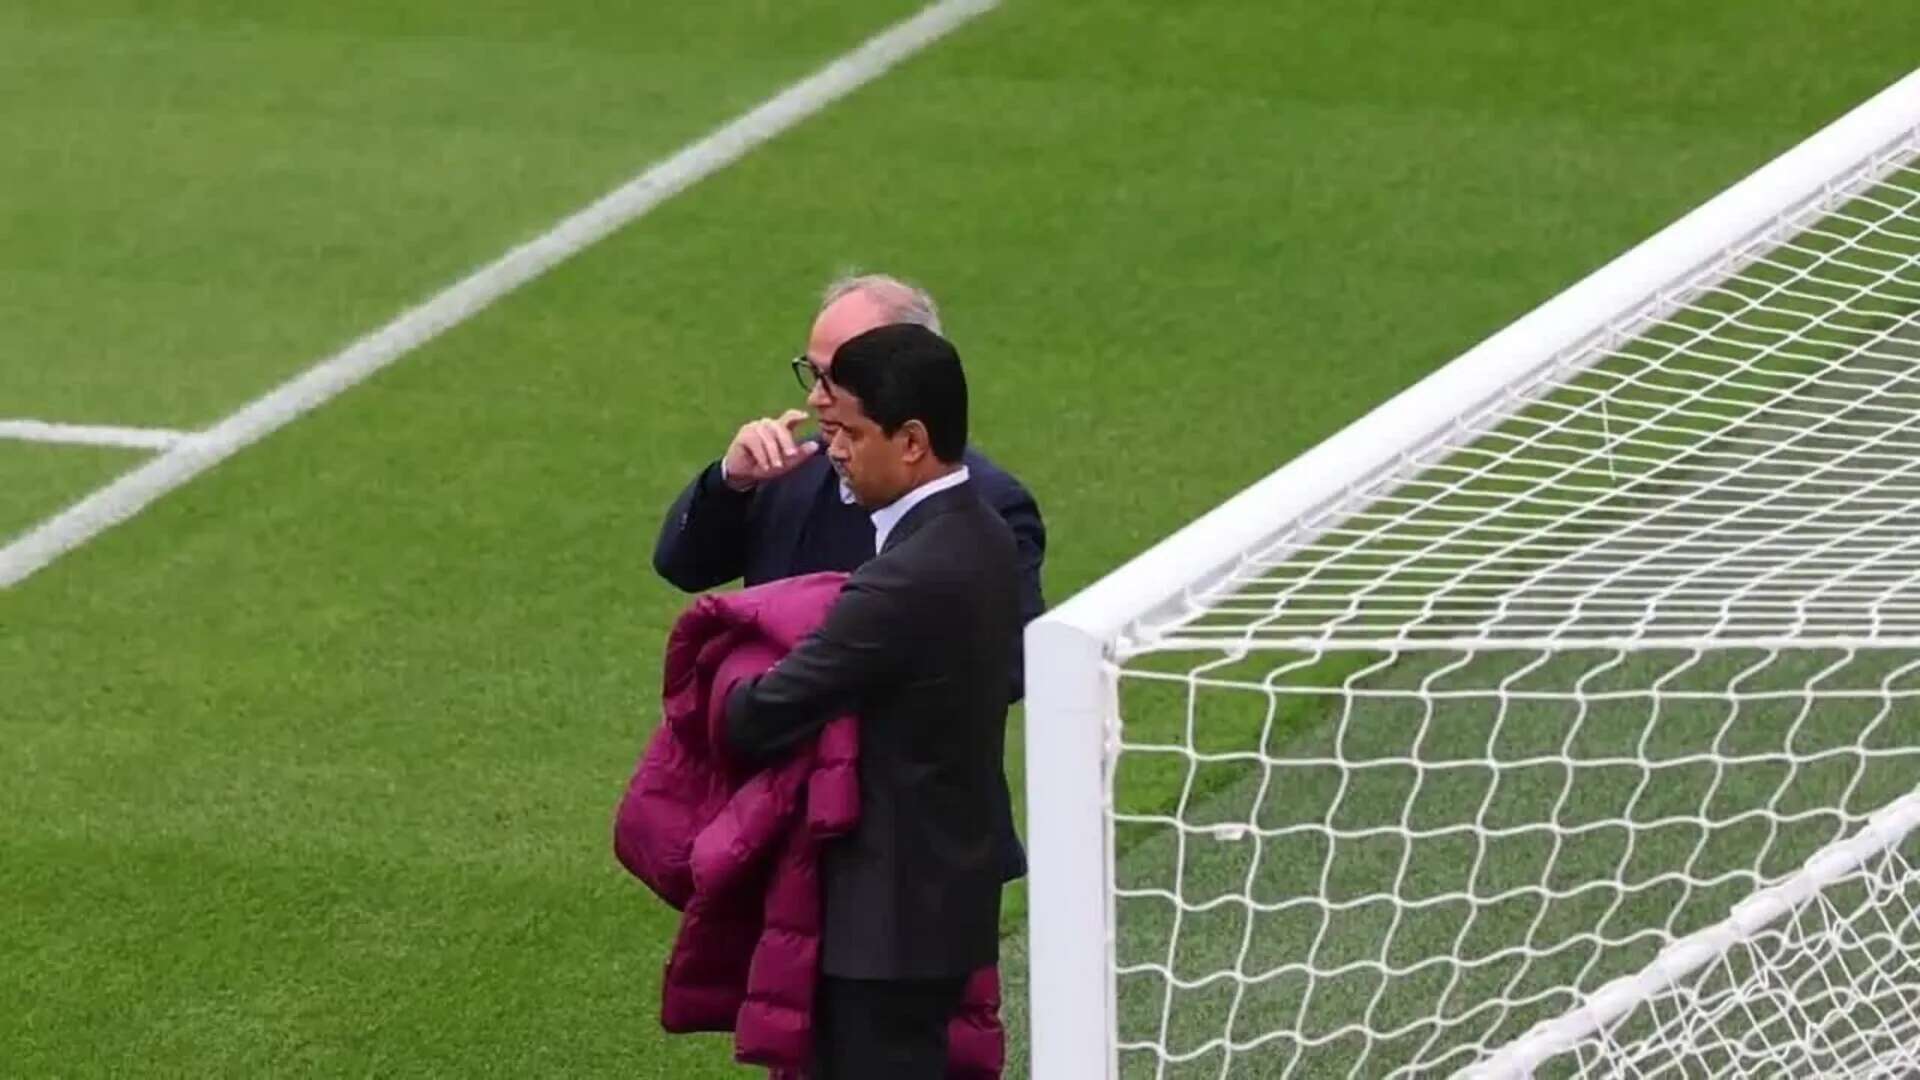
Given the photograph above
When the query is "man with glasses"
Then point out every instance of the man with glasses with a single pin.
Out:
(773, 507)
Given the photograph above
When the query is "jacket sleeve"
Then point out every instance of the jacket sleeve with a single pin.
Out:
(1022, 515)
(703, 541)
(865, 641)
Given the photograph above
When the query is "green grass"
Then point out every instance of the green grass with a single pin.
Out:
(312, 764)
(36, 480)
(204, 197)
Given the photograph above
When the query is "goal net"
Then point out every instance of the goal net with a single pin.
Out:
(1556, 719)
(1816, 976)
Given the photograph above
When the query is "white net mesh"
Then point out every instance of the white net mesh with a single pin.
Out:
(1558, 691)
(1832, 989)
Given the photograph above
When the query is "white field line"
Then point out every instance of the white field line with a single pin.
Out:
(133, 438)
(188, 458)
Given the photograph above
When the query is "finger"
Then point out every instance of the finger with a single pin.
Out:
(770, 444)
(793, 418)
(777, 455)
(784, 453)
(793, 459)
(783, 438)
(755, 442)
(739, 451)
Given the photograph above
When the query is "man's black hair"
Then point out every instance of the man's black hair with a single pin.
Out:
(906, 372)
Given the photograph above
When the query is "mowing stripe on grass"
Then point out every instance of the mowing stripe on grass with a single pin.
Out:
(135, 438)
(185, 459)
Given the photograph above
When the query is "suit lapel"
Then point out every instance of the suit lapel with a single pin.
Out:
(806, 488)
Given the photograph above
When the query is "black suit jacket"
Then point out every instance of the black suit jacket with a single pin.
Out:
(713, 534)
(918, 644)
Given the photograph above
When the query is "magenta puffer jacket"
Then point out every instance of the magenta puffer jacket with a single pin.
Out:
(737, 851)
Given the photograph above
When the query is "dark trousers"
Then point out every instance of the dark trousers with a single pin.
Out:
(872, 1029)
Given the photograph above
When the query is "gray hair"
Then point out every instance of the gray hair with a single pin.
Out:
(902, 302)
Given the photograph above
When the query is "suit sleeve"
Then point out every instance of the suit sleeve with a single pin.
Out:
(703, 541)
(1022, 515)
(865, 641)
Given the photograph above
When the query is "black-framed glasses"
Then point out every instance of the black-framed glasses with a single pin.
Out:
(809, 374)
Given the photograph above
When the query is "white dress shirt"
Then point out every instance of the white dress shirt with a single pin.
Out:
(885, 518)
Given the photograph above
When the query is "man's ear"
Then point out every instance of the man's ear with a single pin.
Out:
(918, 444)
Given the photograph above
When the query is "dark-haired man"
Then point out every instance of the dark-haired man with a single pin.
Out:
(919, 644)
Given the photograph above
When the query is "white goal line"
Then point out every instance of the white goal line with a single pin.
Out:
(185, 459)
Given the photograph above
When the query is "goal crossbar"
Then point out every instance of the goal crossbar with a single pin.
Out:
(1492, 379)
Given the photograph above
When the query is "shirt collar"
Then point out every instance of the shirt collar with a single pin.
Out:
(885, 518)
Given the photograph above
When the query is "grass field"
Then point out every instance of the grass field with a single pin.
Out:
(311, 765)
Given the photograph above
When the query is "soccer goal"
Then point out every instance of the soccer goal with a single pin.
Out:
(1561, 717)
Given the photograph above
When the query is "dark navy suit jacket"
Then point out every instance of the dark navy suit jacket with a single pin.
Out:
(798, 524)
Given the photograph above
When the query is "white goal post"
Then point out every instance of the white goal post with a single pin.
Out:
(1422, 754)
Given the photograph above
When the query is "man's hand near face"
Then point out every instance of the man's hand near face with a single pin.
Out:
(765, 449)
